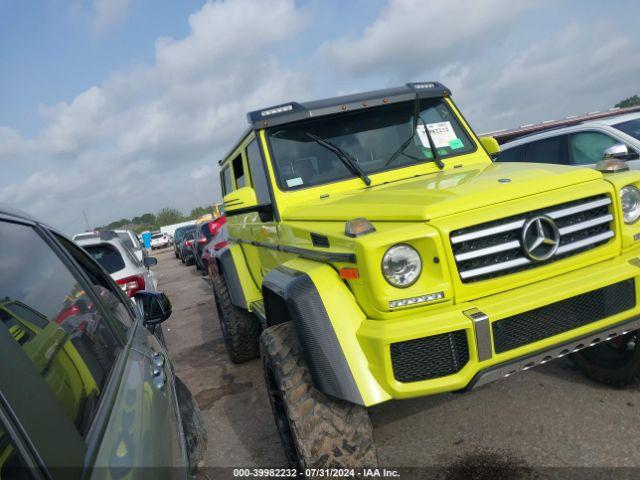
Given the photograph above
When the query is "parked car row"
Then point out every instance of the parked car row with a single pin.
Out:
(195, 244)
(91, 391)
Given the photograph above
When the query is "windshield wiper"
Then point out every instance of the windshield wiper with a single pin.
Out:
(432, 146)
(405, 144)
(344, 157)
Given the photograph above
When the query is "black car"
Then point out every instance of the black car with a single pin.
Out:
(87, 388)
(177, 237)
(186, 252)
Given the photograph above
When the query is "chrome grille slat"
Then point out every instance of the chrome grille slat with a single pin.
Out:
(581, 208)
(583, 243)
(589, 223)
(489, 250)
(495, 268)
(494, 248)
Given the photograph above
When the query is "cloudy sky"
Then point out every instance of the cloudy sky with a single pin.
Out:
(119, 107)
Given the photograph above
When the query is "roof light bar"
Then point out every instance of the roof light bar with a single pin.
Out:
(421, 86)
(273, 111)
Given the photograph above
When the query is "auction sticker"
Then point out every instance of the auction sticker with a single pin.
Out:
(441, 133)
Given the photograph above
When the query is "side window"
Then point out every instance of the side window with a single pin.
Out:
(226, 180)
(258, 175)
(56, 322)
(587, 147)
(238, 172)
(515, 154)
(112, 296)
(12, 464)
(549, 150)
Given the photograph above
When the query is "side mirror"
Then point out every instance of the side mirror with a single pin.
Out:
(150, 261)
(491, 145)
(613, 159)
(241, 198)
(618, 150)
(156, 306)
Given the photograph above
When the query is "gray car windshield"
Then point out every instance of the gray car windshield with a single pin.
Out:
(371, 137)
(630, 127)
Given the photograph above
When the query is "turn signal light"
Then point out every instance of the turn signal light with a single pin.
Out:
(349, 273)
(358, 227)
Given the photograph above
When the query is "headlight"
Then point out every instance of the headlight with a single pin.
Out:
(630, 199)
(401, 265)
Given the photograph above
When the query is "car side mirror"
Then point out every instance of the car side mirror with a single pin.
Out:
(150, 261)
(241, 198)
(156, 306)
(491, 145)
(613, 159)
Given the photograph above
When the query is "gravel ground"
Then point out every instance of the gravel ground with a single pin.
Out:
(550, 416)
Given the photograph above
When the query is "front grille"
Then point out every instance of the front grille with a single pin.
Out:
(559, 317)
(494, 249)
(429, 357)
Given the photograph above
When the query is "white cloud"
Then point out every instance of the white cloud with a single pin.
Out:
(152, 136)
(581, 68)
(108, 13)
(411, 36)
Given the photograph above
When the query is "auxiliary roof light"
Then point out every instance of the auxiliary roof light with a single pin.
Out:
(273, 111)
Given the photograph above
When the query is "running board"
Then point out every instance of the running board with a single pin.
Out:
(507, 369)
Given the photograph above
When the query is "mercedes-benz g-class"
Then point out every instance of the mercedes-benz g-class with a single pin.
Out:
(376, 252)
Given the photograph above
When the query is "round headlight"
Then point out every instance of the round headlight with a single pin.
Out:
(401, 265)
(630, 199)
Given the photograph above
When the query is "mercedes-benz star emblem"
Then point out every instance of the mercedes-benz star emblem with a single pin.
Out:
(540, 238)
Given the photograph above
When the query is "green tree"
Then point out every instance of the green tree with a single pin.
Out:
(148, 218)
(167, 216)
(198, 212)
(629, 102)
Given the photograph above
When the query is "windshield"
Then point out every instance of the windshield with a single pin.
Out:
(371, 137)
(107, 256)
(630, 127)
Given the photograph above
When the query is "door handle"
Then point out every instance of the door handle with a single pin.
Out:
(158, 360)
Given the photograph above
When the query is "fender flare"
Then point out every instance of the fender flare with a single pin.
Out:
(231, 264)
(291, 292)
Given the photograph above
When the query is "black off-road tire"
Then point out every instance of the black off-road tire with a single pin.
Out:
(240, 330)
(616, 366)
(316, 431)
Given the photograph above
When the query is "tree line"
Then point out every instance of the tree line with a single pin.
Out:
(151, 221)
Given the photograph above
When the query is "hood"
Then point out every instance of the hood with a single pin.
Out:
(442, 193)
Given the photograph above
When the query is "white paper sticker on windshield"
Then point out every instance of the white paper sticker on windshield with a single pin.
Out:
(294, 182)
(441, 134)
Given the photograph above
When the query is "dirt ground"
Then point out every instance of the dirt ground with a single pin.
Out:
(550, 416)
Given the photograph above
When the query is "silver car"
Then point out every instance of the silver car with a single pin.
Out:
(121, 263)
(581, 145)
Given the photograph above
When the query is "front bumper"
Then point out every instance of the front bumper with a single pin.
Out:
(485, 360)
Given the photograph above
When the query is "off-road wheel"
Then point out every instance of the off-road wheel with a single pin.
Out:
(615, 362)
(316, 431)
(240, 330)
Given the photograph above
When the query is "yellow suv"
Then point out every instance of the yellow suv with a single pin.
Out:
(376, 252)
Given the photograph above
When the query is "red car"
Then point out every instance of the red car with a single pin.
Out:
(218, 241)
(206, 233)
